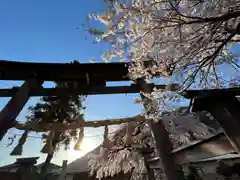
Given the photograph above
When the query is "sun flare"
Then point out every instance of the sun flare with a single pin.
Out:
(87, 145)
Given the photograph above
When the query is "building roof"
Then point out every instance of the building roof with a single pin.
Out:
(10, 168)
(51, 165)
(209, 92)
(222, 157)
(194, 144)
(214, 148)
(20, 161)
(198, 142)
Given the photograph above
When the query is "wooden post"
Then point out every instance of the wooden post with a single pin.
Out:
(145, 153)
(226, 110)
(10, 112)
(164, 147)
(63, 170)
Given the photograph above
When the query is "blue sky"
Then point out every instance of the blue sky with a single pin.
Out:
(46, 31)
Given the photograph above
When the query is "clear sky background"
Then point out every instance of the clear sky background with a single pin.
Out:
(46, 31)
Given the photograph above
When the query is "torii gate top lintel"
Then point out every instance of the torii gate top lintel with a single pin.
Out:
(96, 72)
(90, 77)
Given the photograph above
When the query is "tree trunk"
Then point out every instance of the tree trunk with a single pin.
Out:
(164, 147)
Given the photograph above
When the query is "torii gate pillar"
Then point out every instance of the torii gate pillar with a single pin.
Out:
(164, 147)
(10, 112)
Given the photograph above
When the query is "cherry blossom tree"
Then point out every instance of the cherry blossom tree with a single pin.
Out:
(183, 41)
(191, 38)
(121, 158)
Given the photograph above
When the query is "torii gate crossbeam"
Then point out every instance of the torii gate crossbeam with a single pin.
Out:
(87, 76)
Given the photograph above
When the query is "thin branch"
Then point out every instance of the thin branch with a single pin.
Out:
(233, 40)
(223, 17)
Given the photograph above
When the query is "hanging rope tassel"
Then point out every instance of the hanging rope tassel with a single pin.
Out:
(104, 153)
(106, 144)
(17, 151)
(128, 140)
(48, 147)
(77, 146)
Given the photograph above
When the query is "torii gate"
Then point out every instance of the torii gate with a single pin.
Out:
(92, 78)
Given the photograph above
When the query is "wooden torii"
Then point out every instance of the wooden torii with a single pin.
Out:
(92, 79)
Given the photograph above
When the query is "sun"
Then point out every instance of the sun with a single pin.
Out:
(87, 145)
